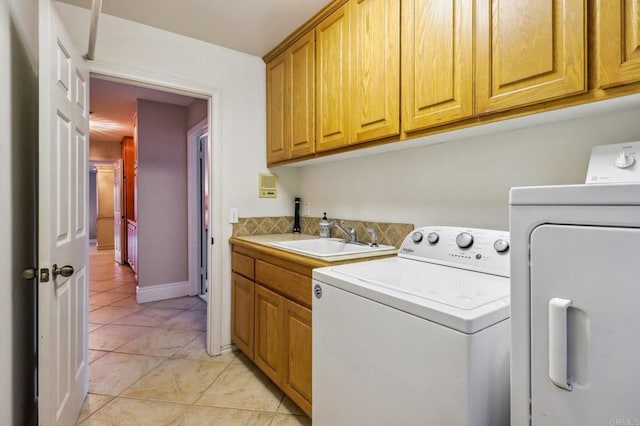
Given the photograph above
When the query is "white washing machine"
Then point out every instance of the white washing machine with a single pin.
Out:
(418, 339)
(574, 297)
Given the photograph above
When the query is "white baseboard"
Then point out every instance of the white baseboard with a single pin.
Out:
(161, 292)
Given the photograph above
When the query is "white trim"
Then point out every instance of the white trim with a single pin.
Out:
(214, 97)
(228, 348)
(192, 205)
(161, 291)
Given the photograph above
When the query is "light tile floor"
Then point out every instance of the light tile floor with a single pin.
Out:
(148, 364)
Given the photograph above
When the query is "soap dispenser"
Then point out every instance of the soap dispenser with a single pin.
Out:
(325, 227)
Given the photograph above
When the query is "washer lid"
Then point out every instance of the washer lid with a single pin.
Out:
(464, 300)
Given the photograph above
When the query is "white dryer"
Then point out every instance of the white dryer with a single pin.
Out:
(419, 339)
(575, 264)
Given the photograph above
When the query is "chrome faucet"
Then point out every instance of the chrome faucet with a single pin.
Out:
(350, 233)
(374, 237)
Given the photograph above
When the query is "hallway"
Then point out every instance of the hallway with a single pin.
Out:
(148, 364)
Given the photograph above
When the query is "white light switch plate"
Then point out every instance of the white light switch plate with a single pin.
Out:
(233, 215)
(306, 209)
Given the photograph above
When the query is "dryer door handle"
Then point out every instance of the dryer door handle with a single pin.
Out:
(558, 342)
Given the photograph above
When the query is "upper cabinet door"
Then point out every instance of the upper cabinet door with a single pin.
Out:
(528, 51)
(437, 62)
(302, 96)
(332, 77)
(375, 65)
(277, 110)
(617, 42)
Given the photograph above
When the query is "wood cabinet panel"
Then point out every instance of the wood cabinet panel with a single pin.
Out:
(333, 80)
(269, 316)
(242, 313)
(437, 62)
(289, 284)
(617, 42)
(297, 367)
(301, 97)
(375, 67)
(244, 265)
(277, 78)
(528, 52)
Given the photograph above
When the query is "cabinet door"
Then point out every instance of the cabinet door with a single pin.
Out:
(277, 92)
(617, 41)
(302, 96)
(528, 51)
(584, 325)
(242, 311)
(437, 62)
(269, 315)
(297, 367)
(375, 65)
(332, 76)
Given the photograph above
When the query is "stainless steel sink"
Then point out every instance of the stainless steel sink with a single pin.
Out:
(326, 247)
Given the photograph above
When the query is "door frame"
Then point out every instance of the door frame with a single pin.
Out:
(214, 116)
(192, 196)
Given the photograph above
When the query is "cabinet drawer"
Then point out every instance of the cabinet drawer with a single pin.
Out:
(242, 264)
(290, 284)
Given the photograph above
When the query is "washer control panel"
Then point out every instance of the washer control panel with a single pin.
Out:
(614, 163)
(482, 250)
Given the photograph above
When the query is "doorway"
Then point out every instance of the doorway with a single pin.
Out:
(203, 210)
(122, 109)
(212, 98)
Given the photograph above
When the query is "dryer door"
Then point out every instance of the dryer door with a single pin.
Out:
(585, 325)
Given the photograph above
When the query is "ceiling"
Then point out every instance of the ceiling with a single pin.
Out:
(251, 26)
(113, 106)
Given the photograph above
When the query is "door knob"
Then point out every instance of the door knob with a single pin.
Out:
(30, 273)
(65, 271)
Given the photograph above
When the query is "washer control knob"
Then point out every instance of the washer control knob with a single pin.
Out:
(433, 237)
(417, 237)
(624, 160)
(464, 240)
(501, 245)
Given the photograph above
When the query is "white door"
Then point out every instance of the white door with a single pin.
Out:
(585, 326)
(118, 217)
(62, 218)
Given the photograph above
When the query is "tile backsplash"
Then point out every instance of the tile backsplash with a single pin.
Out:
(388, 233)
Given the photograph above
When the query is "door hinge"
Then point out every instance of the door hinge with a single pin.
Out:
(44, 275)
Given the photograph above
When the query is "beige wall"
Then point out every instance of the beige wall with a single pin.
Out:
(462, 182)
(104, 151)
(18, 139)
(104, 219)
(162, 193)
(196, 112)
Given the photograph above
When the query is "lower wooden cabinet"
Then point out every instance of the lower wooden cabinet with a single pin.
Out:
(296, 379)
(271, 322)
(269, 332)
(242, 313)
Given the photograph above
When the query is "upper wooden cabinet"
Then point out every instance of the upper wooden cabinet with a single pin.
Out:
(277, 79)
(443, 65)
(375, 67)
(291, 102)
(528, 51)
(357, 70)
(437, 62)
(301, 97)
(617, 42)
(333, 82)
